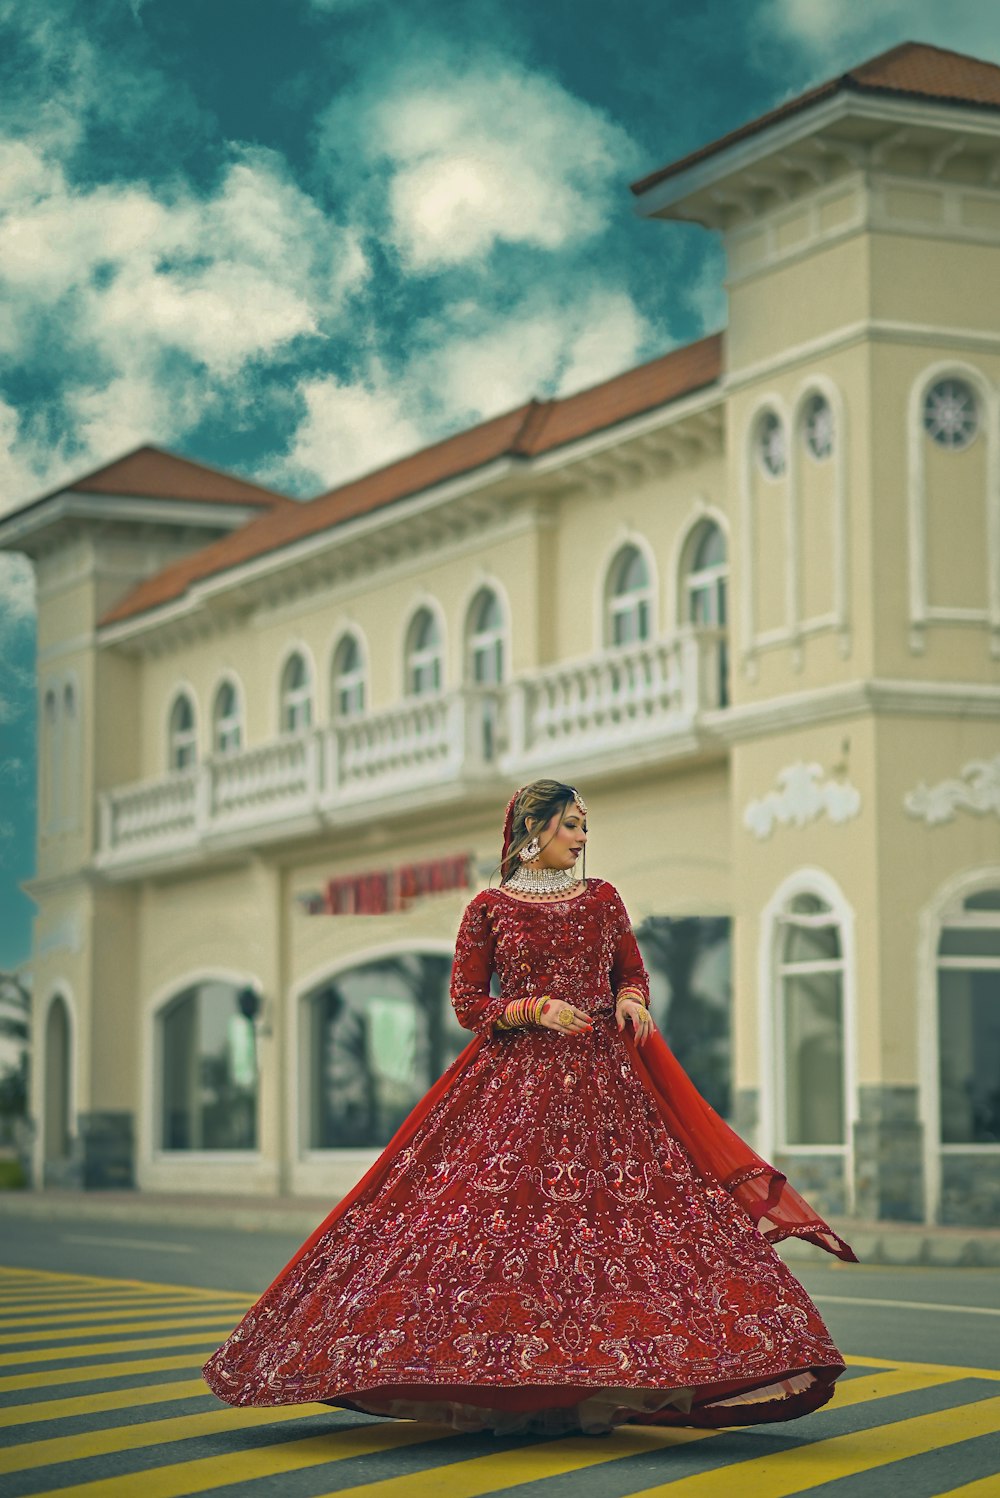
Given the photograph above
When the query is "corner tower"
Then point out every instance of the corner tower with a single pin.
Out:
(861, 222)
(90, 543)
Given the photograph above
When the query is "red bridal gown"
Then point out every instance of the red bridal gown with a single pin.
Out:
(562, 1236)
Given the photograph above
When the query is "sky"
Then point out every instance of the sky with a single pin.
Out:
(298, 238)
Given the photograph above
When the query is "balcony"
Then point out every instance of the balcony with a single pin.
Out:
(627, 704)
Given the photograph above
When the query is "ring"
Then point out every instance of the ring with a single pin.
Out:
(566, 1017)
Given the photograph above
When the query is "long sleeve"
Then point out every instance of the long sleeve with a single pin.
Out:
(475, 945)
(628, 972)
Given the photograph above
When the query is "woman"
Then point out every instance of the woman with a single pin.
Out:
(562, 1235)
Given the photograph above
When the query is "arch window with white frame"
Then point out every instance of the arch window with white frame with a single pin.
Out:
(347, 692)
(51, 760)
(817, 427)
(968, 1020)
(227, 725)
(377, 1035)
(485, 640)
(770, 444)
(296, 694)
(182, 738)
(207, 1065)
(704, 591)
(629, 598)
(810, 1006)
(424, 654)
(951, 413)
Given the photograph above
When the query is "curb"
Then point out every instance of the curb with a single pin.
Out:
(898, 1243)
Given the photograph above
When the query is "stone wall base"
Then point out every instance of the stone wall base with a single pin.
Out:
(888, 1155)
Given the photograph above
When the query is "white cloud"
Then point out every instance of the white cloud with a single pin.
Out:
(550, 346)
(17, 587)
(489, 154)
(840, 33)
(347, 429)
(223, 280)
(547, 347)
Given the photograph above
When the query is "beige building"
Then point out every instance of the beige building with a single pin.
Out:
(747, 597)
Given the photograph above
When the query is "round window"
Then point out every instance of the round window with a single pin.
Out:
(951, 414)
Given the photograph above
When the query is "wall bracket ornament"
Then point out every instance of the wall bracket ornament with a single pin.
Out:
(803, 796)
(976, 789)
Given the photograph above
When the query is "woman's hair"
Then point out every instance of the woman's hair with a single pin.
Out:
(539, 802)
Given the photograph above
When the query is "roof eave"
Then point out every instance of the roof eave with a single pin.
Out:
(43, 516)
(664, 194)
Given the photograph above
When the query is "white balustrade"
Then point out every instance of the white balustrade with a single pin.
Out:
(276, 779)
(635, 691)
(632, 694)
(405, 746)
(152, 814)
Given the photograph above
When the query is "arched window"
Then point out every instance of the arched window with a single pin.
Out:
(485, 639)
(771, 444)
(296, 695)
(817, 427)
(58, 1085)
(705, 577)
(703, 592)
(227, 729)
(810, 1003)
(70, 750)
(208, 1071)
(968, 989)
(182, 746)
(347, 693)
(377, 1037)
(629, 599)
(424, 652)
(51, 761)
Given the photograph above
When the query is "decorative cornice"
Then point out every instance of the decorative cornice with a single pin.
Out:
(803, 797)
(977, 789)
(852, 699)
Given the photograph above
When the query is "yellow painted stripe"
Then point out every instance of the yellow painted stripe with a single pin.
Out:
(953, 1368)
(52, 1377)
(66, 1318)
(96, 1404)
(148, 1433)
(94, 1349)
(984, 1487)
(473, 1478)
(530, 1463)
(81, 1304)
(283, 1457)
(45, 1277)
(797, 1469)
(170, 1323)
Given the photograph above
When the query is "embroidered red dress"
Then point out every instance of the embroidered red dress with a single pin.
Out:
(562, 1235)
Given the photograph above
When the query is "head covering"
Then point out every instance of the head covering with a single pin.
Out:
(508, 824)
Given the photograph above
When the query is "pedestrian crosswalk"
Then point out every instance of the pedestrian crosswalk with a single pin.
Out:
(100, 1397)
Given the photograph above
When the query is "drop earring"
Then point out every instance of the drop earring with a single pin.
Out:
(530, 850)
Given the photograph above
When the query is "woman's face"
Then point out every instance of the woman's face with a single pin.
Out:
(563, 839)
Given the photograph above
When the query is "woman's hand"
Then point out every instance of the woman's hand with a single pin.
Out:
(558, 1015)
(642, 1020)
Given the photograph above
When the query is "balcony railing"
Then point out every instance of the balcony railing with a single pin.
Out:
(632, 696)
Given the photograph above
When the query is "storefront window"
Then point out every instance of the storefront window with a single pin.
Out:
(208, 1071)
(379, 1035)
(689, 966)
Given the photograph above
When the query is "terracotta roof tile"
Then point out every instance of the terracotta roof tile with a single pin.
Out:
(151, 473)
(912, 68)
(537, 427)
